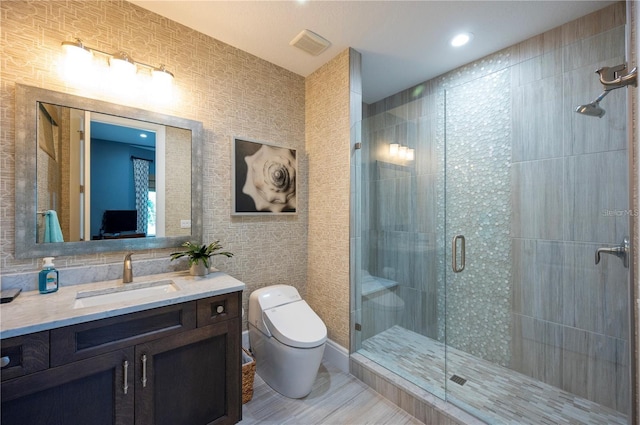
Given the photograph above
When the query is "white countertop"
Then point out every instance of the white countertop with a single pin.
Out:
(34, 312)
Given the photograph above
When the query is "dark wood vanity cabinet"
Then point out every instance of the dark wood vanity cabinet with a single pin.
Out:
(84, 392)
(159, 366)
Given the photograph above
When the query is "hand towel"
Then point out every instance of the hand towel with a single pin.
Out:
(52, 230)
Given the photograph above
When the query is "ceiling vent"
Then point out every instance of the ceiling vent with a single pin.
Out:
(310, 42)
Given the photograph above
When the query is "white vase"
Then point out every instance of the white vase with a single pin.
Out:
(198, 269)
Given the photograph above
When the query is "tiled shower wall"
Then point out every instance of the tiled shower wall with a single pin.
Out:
(402, 217)
(540, 305)
(569, 181)
(230, 91)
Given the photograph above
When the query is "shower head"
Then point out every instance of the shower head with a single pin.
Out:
(593, 109)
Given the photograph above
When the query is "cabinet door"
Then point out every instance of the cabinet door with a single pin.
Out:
(92, 391)
(192, 378)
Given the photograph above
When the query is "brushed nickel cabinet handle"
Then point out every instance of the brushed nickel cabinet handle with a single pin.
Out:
(125, 370)
(144, 370)
(4, 361)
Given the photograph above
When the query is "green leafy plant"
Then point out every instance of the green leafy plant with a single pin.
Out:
(197, 253)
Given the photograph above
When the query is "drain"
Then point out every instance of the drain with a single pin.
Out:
(458, 379)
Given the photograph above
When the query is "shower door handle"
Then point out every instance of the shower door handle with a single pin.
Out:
(621, 251)
(454, 253)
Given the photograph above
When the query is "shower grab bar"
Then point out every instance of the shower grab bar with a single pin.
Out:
(621, 251)
(454, 255)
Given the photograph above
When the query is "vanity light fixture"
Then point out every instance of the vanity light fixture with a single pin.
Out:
(402, 152)
(120, 61)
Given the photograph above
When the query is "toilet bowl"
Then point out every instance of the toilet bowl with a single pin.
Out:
(287, 339)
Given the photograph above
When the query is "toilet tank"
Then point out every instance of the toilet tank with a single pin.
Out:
(269, 297)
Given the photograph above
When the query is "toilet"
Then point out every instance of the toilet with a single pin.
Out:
(287, 339)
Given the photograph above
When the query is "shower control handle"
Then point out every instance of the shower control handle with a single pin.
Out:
(621, 251)
(454, 253)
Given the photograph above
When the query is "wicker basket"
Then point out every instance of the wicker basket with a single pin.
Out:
(248, 372)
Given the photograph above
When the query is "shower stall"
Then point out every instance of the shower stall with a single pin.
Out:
(480, 201)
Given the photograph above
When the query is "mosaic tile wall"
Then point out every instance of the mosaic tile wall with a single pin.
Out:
(328, 148)
(478, 155)
(540, 306)
(232, 92)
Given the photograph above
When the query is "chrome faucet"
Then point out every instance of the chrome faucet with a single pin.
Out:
(127, 272)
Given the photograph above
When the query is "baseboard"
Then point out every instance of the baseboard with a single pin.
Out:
(334, 353)
(337, 355)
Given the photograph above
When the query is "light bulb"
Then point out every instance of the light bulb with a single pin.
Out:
(76, 51)
(122, 64)
(461, 39)
(161, 76)
(393, 149)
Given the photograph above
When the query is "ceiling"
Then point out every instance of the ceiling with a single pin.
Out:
(402, 43)
(120, 134)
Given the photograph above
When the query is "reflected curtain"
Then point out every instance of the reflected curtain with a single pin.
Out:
(141, 183)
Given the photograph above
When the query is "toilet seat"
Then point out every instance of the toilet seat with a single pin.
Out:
(296, 325)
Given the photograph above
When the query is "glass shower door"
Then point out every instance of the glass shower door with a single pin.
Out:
(535, 329)
(399, 242)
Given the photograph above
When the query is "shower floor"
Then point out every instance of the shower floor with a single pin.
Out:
(491, 392)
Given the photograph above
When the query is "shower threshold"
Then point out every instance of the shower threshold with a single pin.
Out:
(490, 392)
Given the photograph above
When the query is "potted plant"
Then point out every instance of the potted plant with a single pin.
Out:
(199, 256)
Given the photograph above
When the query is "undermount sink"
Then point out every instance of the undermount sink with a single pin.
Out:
(128, 292)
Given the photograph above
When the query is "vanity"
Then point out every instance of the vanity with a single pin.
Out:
(83, 355)
(164, 349)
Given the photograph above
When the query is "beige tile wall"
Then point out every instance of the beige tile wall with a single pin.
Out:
(232, 92)
(327, 124)
(178, 168)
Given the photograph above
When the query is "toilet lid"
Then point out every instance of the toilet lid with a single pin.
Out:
(296, 324)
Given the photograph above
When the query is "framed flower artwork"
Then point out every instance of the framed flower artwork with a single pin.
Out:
(264, 178)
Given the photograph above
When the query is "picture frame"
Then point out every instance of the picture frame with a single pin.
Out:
(264, 178)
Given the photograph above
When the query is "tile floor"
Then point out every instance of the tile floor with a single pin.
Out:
(493, 393)
(336, 398)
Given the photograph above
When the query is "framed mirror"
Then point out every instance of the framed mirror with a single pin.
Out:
(93, 176)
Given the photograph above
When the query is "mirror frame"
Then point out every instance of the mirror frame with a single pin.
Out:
(26, 146)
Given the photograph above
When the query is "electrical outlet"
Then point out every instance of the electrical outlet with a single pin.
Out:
(185, 224)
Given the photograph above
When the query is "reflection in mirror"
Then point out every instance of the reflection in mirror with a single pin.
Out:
(103, 177)
(93, 176)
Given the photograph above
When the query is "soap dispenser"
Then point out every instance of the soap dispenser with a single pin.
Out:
(48, 279)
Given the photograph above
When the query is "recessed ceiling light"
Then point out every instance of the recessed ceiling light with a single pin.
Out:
(461, 39)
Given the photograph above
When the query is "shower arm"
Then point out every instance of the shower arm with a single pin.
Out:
(618, 81)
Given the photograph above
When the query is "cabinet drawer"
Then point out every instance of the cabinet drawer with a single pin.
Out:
(25, 354)
(219, 308)
(89, 339)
